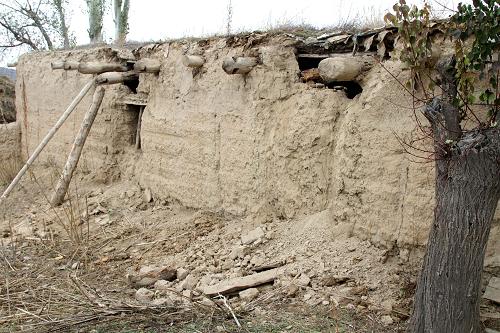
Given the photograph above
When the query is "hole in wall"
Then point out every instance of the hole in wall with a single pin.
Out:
(132, 84)
(351, 88)
(309, 61)
(136, 124)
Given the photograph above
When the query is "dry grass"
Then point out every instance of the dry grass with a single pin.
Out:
(42, 290)
(8, 170)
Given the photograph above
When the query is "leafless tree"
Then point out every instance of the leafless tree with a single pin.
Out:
(33, 24)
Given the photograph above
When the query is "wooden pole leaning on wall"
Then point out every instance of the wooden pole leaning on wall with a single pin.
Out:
(193, 61)
(147, 66)
(239, 65)
(76, 151)
(48, 137)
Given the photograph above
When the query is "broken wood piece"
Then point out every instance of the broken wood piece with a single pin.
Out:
(343, 68)
(239, 65)
(48, 137)
(99, 68)
(240, 283)
(76, 151)
(492, 291)
(138, 133)
(71, 65)
(115, 77)
(147, 66)
(193, 61)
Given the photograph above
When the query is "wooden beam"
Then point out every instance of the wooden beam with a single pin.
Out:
(115, 77)
(99, 68)
(71, 65)
(76, 151)
(57, 64)
(239, 65)
(147, 66)
(48, 137)
(193, 61)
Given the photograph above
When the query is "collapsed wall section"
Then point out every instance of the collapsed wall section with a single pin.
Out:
(262, 146)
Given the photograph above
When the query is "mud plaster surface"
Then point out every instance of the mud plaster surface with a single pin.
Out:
(259, 147)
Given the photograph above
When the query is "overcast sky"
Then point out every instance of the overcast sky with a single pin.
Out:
(164, 19)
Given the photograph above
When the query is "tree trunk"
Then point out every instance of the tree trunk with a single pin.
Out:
(63, 27)
(121, 10)
(96, 12)
(467, 193)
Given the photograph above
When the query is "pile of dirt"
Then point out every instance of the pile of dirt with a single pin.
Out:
(7, 101)
(156, 253)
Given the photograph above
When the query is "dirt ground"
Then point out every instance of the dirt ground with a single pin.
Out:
(76, 268)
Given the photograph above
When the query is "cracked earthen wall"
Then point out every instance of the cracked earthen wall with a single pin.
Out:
(262, 146)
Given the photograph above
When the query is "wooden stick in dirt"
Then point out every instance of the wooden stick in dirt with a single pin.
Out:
(239, 65)
(138, 133)
(48, 137)
(76, 150)
(114, 77)
(99, 68)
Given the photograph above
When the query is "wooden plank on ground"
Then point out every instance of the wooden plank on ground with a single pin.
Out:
(241, 283)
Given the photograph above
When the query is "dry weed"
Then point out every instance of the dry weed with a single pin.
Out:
(8, 170)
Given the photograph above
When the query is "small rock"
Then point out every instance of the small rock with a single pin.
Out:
(292, 290)
(163, 301)
(350, 306)
(249, 294)
(404, 255)
(182, 273)
(144, 295)
(163, 285)
(148, 275)
(252, 236)
(238, 252)
(387, 320)
(189, 283)
(303, 280)
(147, 195)
(307, 296)
(188, 294)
